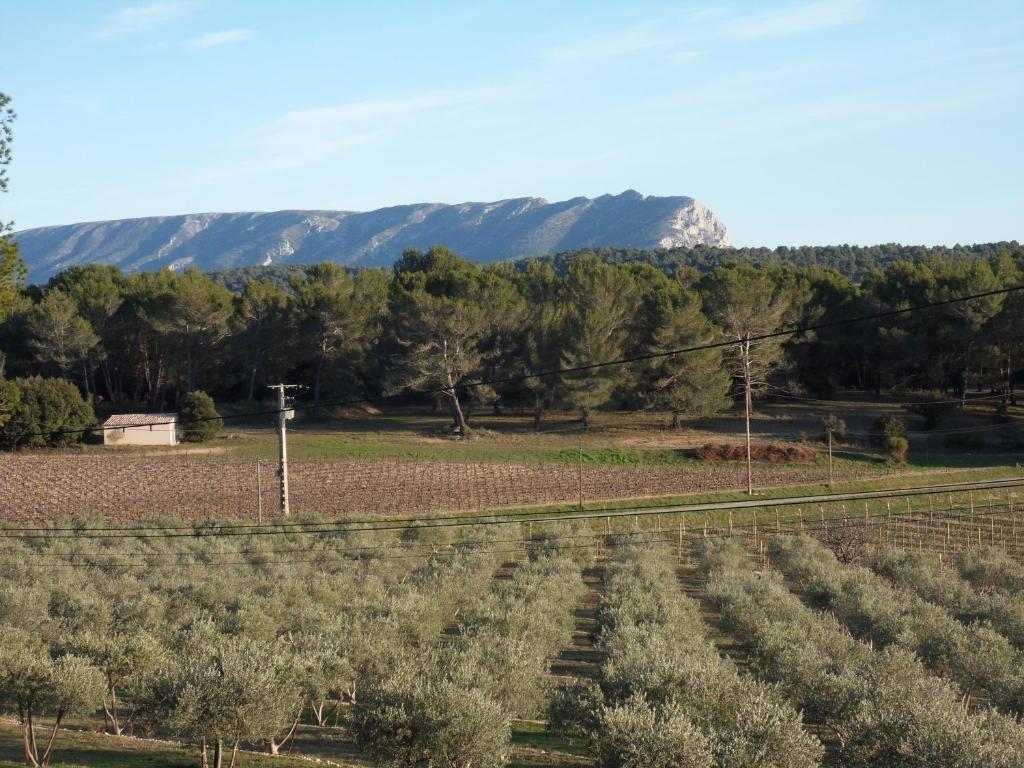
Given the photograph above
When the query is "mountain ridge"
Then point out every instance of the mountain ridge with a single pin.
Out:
(482, 231)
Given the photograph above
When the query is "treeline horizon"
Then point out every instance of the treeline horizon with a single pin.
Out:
(438, 323)
(853, 261)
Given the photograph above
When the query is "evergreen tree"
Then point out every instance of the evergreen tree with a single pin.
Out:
(336, 317)
(695, 383)
(599, 304)
(12, 268)
(48, 412)
(199, 421)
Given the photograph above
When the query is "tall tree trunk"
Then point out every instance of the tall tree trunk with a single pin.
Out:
(318, 712)
(750, 469)
(108, 381)
(205, 760)
(538, 412)
(85, 381)
(234, 754)
(585, 417)
(48, 754)
(457, 415)
(32, 737)
(316, 383)
(26, 738)
(676, 423)
(1009, 380)
(252, 381)
(218, 754)
(188, 366)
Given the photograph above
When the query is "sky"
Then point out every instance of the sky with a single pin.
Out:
(807, 122)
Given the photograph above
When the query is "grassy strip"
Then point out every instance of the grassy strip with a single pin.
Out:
(95, 750)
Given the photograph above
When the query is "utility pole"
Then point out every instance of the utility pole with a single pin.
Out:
(828, 429)
(283, 414)
(747, 407)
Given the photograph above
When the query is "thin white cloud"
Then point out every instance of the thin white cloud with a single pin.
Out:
(623, 42)
(672, 36)
(309, 136)
(794, 19)
(134, 19)
(227, 37)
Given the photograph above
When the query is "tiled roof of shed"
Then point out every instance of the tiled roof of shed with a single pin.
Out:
(139, 419)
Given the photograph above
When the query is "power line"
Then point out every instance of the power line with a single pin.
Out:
(582, 368)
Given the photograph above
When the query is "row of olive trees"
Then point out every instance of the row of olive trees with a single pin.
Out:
(665, 697)
(989, 568)
(882, 706)
(143, 634)
(925, 575)
(451, 704)
(974, 656)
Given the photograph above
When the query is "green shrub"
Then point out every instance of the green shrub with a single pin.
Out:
(10, 397)
(198, 418)
(415, 715)
(886, 427)
(635, 734)
(49, 412)
(896, 451)
(913, 724)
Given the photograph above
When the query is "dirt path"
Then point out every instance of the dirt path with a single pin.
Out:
(581, 658)
(693, 585)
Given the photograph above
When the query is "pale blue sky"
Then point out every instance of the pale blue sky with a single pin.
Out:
(826, 121)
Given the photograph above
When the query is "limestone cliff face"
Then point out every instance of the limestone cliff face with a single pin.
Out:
(481, 231)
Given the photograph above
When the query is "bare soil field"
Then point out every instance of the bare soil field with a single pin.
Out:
(40, 488)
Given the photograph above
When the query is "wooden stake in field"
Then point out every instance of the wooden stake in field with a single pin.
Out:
(259, 495)
(581, 472)
(679, 548)
(1013, 519)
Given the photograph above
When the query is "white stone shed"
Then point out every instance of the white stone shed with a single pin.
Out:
(141, 429)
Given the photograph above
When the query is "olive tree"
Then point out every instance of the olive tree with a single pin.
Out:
(417, 715)
(34, 684)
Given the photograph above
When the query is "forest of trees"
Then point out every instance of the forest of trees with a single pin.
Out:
(438, 324)
(853, 261)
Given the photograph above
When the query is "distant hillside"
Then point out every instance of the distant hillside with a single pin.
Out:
(483, 232)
